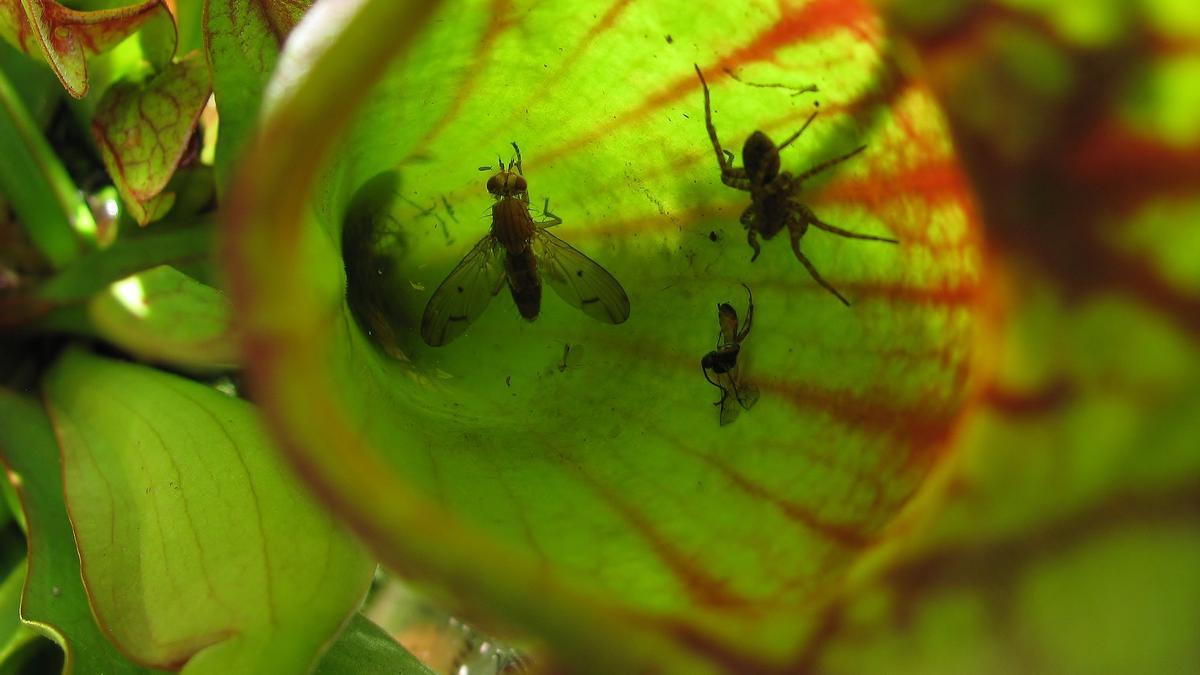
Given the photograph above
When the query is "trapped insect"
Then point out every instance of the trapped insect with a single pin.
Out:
(723, 361)
(521, 252)
(773, 193)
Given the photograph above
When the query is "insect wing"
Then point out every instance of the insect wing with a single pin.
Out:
(747, 394)
(464, 294)
(579, 280)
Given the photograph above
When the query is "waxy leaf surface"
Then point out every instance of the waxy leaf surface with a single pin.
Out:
(593, 497)
(197, 547)
(66, 38)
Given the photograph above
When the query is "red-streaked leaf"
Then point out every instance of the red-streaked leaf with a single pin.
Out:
(600, 504)
(1065, 536)
(66, 37)
(143, 129)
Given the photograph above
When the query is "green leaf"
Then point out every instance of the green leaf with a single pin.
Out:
(366, 649)
(601, 504)
(164, 315)
(127, 256)
(243, 41)
(66, 38)
(43, 196)
(54, 601)
(143, 128)
(197, 546)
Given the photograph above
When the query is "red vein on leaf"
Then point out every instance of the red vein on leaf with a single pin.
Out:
(594, 31)
(235, 451)
(814, 19)
(499, 20)
(700, 586)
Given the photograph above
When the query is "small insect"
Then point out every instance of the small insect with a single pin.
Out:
(723, 361)
(773, 193)
(522, 252)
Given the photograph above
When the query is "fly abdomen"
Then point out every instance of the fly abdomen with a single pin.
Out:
(523, 282)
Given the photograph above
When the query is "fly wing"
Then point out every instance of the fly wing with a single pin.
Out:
(464, 294)
(579, 280)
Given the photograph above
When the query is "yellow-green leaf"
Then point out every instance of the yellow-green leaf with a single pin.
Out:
(198, 548)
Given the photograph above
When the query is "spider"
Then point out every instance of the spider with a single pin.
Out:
(773, 193)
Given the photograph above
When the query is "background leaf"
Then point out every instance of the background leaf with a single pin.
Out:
(243, 42)
(366, 649)
(143, 129)
(54, 600)
(66, 38)
(219, 577)
(166, 316)
(601, 504)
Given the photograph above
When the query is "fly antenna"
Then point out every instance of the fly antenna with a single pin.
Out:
(518, 159)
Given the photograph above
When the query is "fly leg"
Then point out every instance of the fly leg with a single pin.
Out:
(797, 231)
(553, 219)
(724, 393)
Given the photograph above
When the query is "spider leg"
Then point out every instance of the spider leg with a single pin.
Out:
(797, 134)
(818, 223)
(736, 179)
(733, 177)
(827, 164)
(749, 316)
(751, 232)
(796, 234)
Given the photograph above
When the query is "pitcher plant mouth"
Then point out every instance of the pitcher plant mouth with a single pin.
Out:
(588, 478)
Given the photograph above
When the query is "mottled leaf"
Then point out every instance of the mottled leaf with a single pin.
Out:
(66, 38)
(197, 547)
(143, 128)
(54, 601)
(597, 501)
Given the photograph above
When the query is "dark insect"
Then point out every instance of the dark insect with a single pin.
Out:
(773, 193)
(522, 252)
(723, 361)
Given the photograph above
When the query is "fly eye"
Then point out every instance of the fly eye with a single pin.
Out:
(518, 184)
(493, 184)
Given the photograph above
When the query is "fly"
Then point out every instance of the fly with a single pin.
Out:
(723, 361)
(774, 203)
(520, 252)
